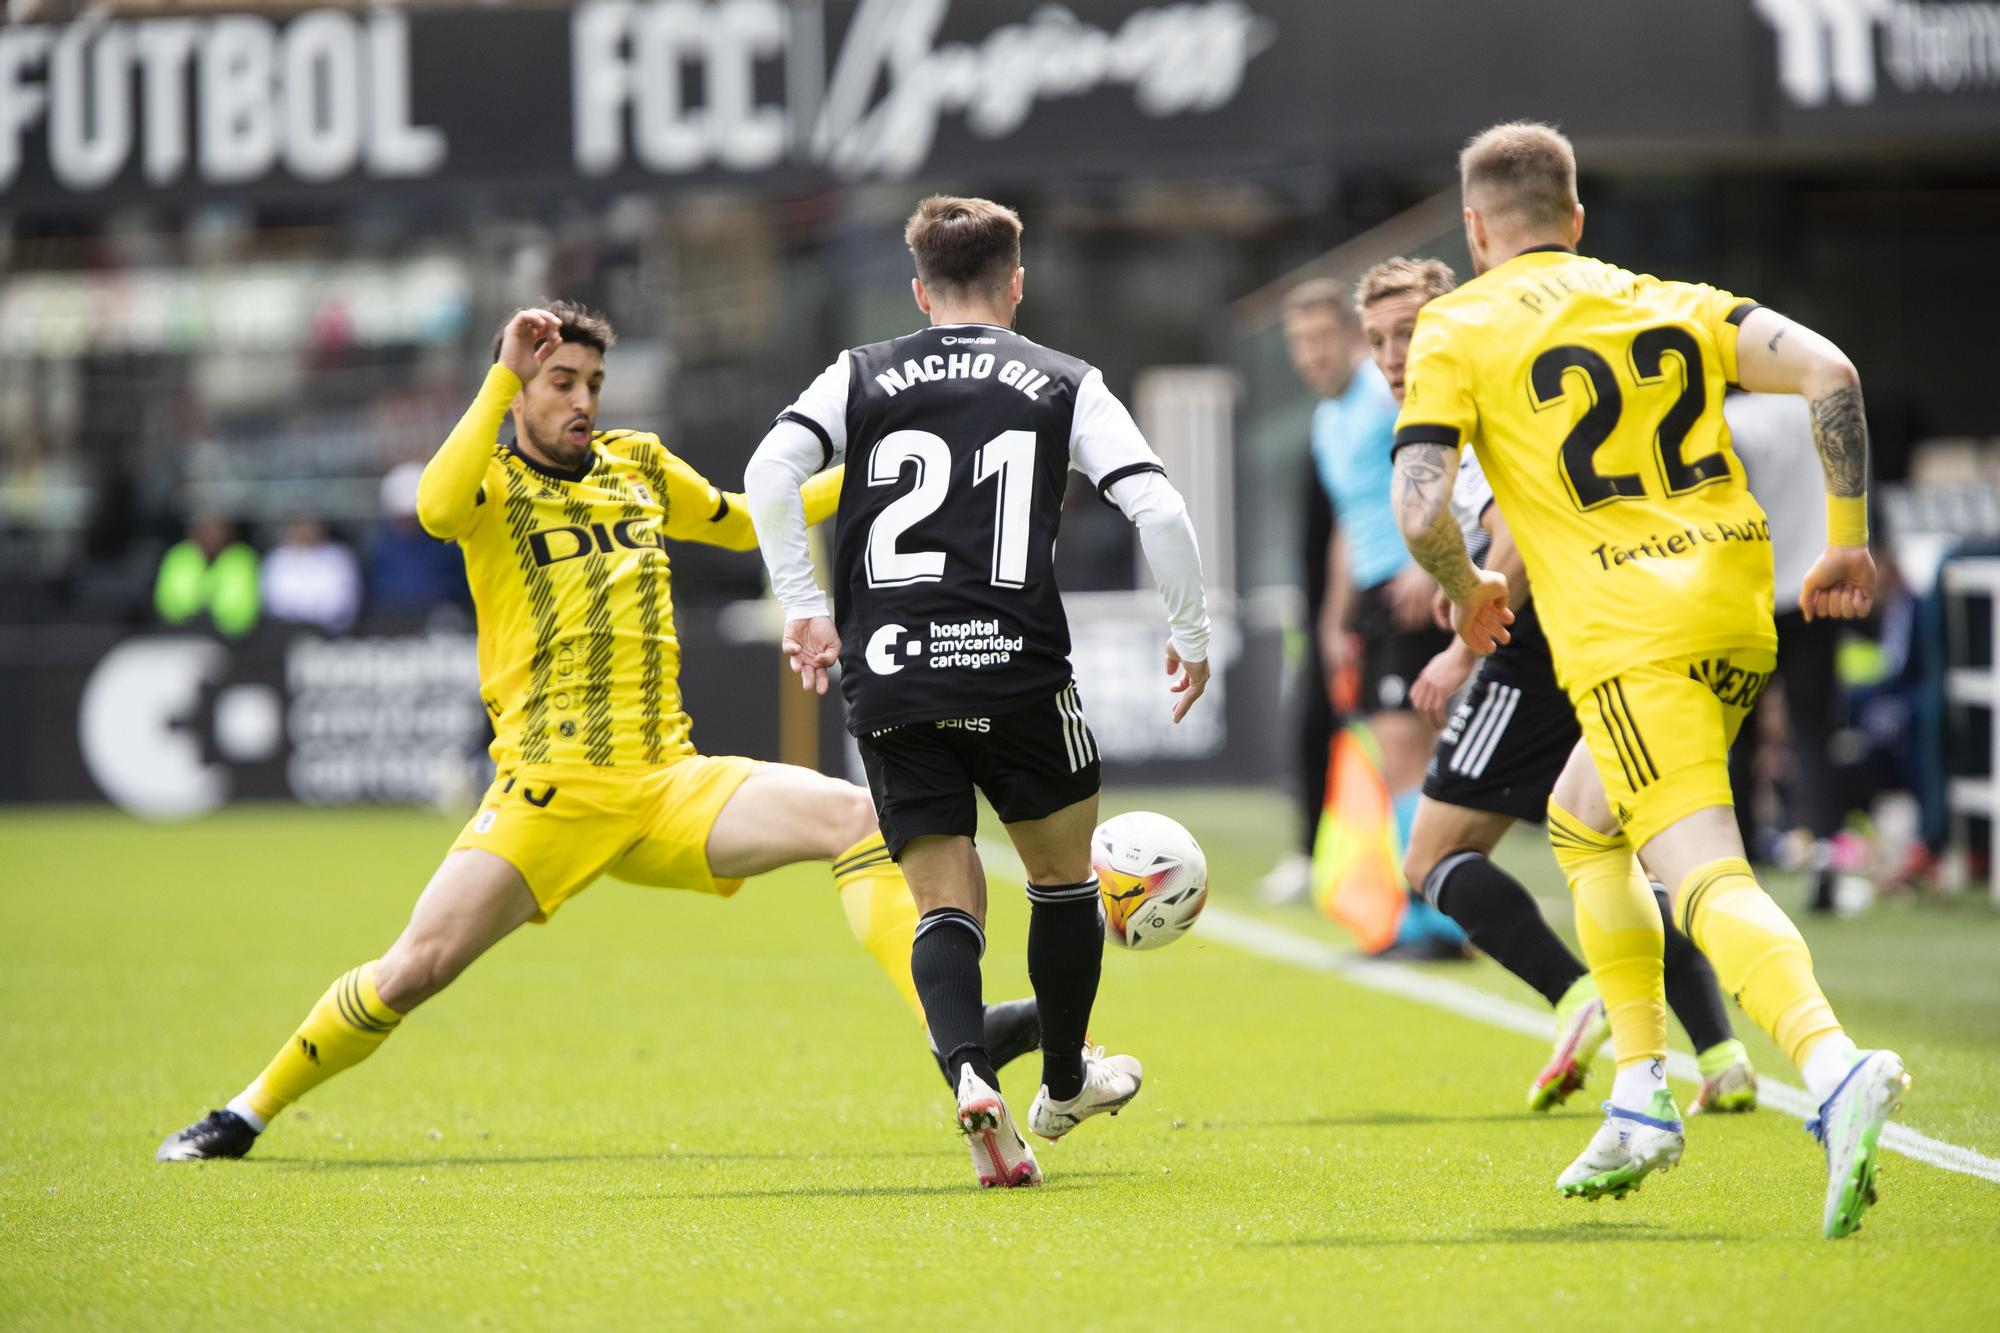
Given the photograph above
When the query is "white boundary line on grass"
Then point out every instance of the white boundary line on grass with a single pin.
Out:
(1288, 946)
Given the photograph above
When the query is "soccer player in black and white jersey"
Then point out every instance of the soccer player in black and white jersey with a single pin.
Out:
(1498, 759)
(953, 647)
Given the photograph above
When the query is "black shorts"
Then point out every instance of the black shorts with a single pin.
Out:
(1504, 747)
(1030, 762)
(1391, 657)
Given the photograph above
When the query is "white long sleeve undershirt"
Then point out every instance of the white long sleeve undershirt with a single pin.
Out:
(789, 454)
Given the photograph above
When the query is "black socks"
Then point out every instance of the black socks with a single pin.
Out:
(1065, 958)
(1502, 919)
(944, 962)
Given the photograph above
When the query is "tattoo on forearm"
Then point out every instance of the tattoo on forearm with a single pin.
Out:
(1841, 432)
(1421, 492)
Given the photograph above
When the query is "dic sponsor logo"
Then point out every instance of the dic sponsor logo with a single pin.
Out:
(552, 545)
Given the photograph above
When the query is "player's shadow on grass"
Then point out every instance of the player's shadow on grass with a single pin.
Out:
(1572, 1233)
(863, 1191)
(562, 1159)
(1370, 1120)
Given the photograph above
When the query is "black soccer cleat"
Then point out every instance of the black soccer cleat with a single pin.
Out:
(1011, 1030)
(219, 1134)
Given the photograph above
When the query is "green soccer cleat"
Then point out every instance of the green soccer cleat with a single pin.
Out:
(1849, 1127)
(1581, 1029)
(1728, 1083)
(1628, 1147)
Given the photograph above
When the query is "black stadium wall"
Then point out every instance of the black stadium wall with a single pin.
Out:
(171, 724)
(615, 94)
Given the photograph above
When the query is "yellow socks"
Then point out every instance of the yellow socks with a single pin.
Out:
(1618, 924)
(343, 1029)
(1758, 954)
(880, 911)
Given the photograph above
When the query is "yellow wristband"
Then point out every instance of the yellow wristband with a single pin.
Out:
(1846, 520)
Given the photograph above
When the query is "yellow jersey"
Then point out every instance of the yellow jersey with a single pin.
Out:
(1593, 399)
(579, 662)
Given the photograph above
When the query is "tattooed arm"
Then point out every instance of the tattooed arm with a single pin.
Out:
(1841, 432)
(1776, 355)
(1421, 494)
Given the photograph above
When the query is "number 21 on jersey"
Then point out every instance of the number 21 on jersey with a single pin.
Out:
(1007, 460)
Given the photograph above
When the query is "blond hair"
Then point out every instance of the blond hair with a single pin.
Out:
(1521, 174)
(1319, 294)
(964, 244)
(1428, 278)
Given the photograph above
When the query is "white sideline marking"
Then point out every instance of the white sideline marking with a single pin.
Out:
(1288, 946)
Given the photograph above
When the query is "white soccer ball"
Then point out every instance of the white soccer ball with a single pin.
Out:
(1152, 877)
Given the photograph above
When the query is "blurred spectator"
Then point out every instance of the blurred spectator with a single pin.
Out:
(311, 579)
(1773, 436)
(410, 572)
(1291, 879)
(208, 572)
(1376, 623)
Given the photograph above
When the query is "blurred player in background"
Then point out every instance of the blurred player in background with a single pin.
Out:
(564, 536)
(1498, 760)
(953, 644)
(1772, 434)
(1376, 620)
(1373, 633)
(1592, 396)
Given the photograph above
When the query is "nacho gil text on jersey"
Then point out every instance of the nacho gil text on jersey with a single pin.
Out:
(1611, 554)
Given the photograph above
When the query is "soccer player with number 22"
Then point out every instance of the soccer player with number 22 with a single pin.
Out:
(1592, 396)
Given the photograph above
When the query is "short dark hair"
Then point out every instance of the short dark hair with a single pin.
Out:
(964, 244)
(580, 324)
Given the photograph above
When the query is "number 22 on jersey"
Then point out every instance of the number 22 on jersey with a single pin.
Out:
(1007, 460)
(1650, 358)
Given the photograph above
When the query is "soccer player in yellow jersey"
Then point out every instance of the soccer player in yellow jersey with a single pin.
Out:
(1592, 397)
(564, 535)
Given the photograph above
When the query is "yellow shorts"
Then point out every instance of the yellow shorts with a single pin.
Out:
(1660, 734)
(563, 825)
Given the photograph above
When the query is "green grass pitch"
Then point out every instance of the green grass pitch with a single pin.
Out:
(667, 1111)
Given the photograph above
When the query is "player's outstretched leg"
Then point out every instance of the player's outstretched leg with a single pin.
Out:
(1448, 858)
(473, 901)
(882, 913)
(782, 814)
(1618, 923)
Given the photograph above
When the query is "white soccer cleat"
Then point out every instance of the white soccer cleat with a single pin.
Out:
(1108, 1083)
(1000, 1157)
(1850, 1126)
(1628, 1147)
